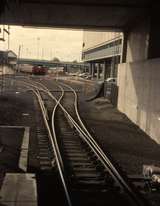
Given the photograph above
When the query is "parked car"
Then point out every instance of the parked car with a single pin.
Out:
(88, 77)
(82, 75)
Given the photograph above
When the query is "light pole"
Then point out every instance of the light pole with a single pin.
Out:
(51, 54)
(27, 51)
(8, 37)
(19, 54)
(38, 39)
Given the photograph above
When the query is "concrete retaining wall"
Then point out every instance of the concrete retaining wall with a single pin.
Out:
(137, 43)
(139, 94)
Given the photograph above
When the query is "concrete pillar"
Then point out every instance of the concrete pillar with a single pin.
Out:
(104, 70)
(98, 70)
(65, 68)
(124, 47)
(112, 67)
(90, 69)
(87, 69)
(93, 70)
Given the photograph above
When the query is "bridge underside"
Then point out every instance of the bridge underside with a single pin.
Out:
(110, 14)
(139, 19)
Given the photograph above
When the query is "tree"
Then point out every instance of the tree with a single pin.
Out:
(75, 61)
(55, 59)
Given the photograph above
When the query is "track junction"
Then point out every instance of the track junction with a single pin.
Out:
(86, 174)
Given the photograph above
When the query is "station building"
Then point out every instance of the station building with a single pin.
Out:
(103, 51)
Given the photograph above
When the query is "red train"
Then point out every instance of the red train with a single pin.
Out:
(39, 70)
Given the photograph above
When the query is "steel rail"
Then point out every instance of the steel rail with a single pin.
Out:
(95, 147)
(97, 150)
(52, 138)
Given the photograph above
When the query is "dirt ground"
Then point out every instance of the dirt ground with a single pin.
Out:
(17, 109)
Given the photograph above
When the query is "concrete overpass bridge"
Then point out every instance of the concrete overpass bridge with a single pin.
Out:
(138, 72)
(111, 14)
(49, 63)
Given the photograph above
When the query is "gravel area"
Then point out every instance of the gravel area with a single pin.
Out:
(125, 142)
(129, 146)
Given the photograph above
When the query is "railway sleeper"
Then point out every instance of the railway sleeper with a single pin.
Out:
(43, 149)
(91, 183)
(79, 164)
(76, 154)
(87, 169)
(42, 134)
(43, 141)
(74, 150)
(72, 140)
(45, 163)
(44, 146)
(88, 175)
(44, 158)
(79, 159)
(99, 186)
(67, 144)
(44, 153)
(84, 169)
(68, 133)
(76, 180)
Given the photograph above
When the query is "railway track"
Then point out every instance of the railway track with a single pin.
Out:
(87, 175)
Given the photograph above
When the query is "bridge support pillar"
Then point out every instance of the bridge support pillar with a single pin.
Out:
(90, 69)
(98, 70)
(93, 69)
(104, 70)
(154, 34)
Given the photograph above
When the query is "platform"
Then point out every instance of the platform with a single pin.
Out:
(14, 142)
(19, 190)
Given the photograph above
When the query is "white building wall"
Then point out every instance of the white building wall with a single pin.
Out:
(95, 38)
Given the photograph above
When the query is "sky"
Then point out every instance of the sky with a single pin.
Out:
(45, 43)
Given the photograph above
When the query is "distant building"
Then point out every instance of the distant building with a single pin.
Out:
(8, 58)
(102, 50)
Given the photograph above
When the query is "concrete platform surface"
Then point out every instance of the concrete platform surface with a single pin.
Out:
(19, 190)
